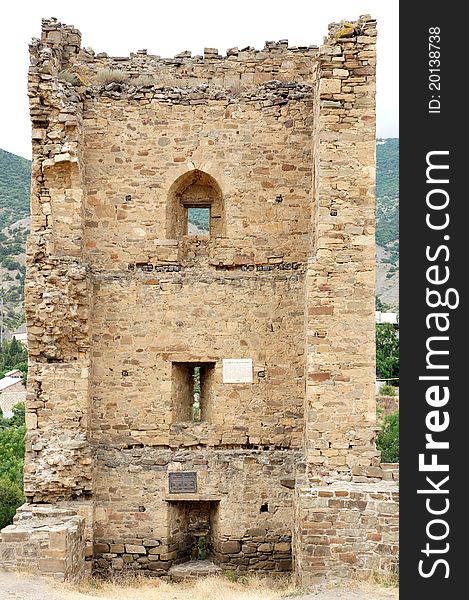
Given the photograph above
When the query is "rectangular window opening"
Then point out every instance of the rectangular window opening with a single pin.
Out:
(198, 220)
(192, 391)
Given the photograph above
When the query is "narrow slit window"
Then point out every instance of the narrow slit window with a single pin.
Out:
(198, 220)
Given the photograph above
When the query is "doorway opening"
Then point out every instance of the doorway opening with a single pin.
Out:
(192, 526)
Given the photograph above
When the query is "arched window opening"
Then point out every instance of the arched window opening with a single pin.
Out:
(194, 206)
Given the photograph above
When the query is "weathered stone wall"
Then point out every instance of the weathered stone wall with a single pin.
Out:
(340, 350)
(155, 320)
(57, 291)
(46, 541)
(344, 530)
(161, 297)
(390, 471)
(251, 505)
(123, 304)
(244, 69)
(256, 154)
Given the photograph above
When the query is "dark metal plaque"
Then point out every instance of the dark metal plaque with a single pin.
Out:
(183, 482)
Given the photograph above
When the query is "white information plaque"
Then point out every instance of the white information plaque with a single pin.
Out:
(237, 370)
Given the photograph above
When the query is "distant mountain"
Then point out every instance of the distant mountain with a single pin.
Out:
(15, 176)
(387, 221)
(15, 181)
(387, 168)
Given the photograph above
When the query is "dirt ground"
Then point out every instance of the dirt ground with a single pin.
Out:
(26, 587)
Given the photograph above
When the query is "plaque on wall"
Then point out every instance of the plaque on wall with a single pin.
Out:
(237, 370)
(182, 482)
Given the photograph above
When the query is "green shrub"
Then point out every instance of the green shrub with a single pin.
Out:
(18, 419)
(387, 351)
(13, 355)
(202, 548)
(10, 264)
(12, 432)
(387, 390)
(388, 438)
(12, 451)
(11, 496)
(72, 78)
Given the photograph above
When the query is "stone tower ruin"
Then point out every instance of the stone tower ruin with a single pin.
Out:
(200, 310)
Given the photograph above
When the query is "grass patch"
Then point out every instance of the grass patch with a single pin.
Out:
(137, 587)
(387, 580)
(387, 440)
(68, 77)
(378, 581)
(105, 76)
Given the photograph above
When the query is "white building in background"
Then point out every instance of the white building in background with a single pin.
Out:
(387, 317)
(12, 391)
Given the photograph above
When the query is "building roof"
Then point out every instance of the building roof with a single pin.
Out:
(13, 373)
(6, 382)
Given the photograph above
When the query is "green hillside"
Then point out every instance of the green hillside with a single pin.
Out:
(387, 220)
(15, 181)
(387, 168)
(15, 177)
(387, 191)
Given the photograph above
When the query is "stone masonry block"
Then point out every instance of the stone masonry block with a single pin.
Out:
(330, 86)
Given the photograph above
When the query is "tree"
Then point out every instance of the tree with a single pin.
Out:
(13, 355)
(12, 432)
(18, 418)
(388, 438)
(387, 351)
(11, 496)
(380, 305)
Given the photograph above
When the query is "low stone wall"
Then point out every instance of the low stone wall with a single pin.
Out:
(45, 541)
(345, 529)
(257, 550)
(135, 554)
